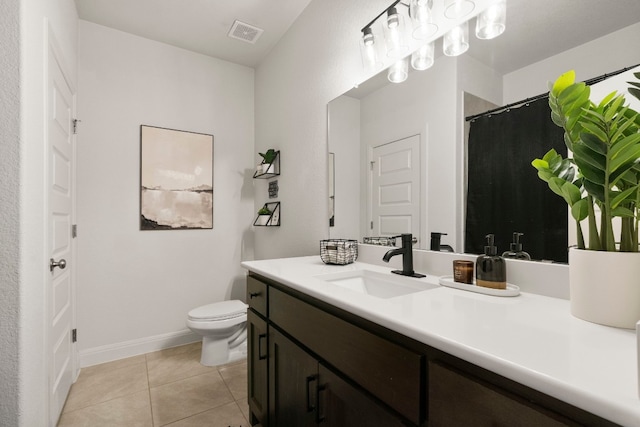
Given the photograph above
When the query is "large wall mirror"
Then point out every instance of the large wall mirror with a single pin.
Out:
(419, 125)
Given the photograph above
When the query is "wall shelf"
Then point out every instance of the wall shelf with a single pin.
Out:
(269, 170)
(270, 220)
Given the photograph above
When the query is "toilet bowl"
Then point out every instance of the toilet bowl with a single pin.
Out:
(223, 326)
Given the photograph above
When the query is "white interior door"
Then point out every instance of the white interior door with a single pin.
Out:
(60, 180)
(395, 188)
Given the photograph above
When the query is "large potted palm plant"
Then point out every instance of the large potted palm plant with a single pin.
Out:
(600, 184)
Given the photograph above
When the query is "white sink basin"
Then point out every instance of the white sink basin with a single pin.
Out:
(380, 285)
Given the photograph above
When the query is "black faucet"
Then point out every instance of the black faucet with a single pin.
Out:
(407, 256)
(436, 245)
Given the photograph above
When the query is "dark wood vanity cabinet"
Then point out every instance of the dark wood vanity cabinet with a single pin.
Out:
(311, 363)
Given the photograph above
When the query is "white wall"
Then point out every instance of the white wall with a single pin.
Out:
(39, 19)
(317, 60)
(136, 287)
(9, 213)
(344, 137)
(606, 54)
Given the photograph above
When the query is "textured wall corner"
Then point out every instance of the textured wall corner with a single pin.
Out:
(9, 206)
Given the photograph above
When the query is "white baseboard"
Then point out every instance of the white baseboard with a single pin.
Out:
(111, 352)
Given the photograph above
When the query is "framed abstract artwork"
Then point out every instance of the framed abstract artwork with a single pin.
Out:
(176, 179)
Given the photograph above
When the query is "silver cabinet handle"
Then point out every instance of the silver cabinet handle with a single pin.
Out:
(60, 264)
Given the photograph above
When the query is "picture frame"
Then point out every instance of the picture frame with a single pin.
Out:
(176, 179)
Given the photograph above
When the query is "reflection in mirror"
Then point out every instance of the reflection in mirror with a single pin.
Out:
(332, 189)
(430, 107)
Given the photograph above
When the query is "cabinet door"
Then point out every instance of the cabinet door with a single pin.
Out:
(293, 383)
(257, 367)
(457, 399)
(340, 404)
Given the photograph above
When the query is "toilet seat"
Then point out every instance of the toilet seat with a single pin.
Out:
(223, 310)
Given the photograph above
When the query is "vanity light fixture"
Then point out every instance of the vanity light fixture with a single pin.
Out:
(491, 22)
(398, 71)
(395, 34)
(423, 57)
(455, 9)
(421, 15)
(456, 41)
(369, 49)
(410, 27)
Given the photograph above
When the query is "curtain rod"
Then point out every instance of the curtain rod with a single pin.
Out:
(546, 94)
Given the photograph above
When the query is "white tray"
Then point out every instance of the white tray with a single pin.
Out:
(511, 291)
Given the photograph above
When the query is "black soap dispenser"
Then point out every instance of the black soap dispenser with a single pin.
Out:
(491, 269)
(516, 251)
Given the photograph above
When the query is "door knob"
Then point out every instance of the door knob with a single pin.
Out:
(60, 264)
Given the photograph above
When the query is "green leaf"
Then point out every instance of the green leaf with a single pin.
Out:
(626, 156)
(606, 100)
(623, 145)
(540, 164)
(635, 92)
(555, 184)
(594, 129)
(594, 143)
(622, 212)
(596, 190)
(622, 196)
(562, 82)
(545, 175)
(583, 155)
(614, 107)
(570, 193)
(626, 125)
(580, 210)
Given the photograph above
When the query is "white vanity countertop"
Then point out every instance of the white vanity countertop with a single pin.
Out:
(531, 339)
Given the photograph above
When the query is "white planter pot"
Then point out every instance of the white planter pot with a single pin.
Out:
(605, 287)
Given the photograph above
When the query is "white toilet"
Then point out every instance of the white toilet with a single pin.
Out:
(223, 326)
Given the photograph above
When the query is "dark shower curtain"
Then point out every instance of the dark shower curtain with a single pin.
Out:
(504, 193)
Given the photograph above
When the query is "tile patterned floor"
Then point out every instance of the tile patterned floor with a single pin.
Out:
(165, 388)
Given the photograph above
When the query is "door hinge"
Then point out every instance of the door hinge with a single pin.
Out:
(371, 165)
(74, 335)
(74, 231)
(75, 126)
(372, 225)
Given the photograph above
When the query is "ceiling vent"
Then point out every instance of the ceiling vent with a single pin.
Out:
(245, 32)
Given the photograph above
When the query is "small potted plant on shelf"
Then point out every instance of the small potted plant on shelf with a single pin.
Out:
(600, 183)
(267, 160)
(263, 216)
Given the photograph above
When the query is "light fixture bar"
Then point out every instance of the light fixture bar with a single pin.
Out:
(381, 13)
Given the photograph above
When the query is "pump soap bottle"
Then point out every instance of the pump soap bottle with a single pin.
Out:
(516, 251)
(491, 270)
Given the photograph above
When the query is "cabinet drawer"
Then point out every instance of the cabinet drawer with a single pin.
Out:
(257, 295)
(390, 372)
(457, 399)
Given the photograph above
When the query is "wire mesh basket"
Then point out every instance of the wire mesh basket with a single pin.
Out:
(338, 251)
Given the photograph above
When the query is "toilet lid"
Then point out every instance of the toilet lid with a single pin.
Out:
(219, 311)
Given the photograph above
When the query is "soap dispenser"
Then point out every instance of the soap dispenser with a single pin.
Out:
(516, 251)
(491, 269)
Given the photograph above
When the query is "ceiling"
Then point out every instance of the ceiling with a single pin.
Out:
(199, 25)
(536, 29)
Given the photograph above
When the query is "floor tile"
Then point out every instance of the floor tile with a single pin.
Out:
(174, 366)
(129, 411)
(180, 399)
(168, 352)
(116, 364)
(228, 415)
(235, 376)
(244, 407)
(100, 385)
